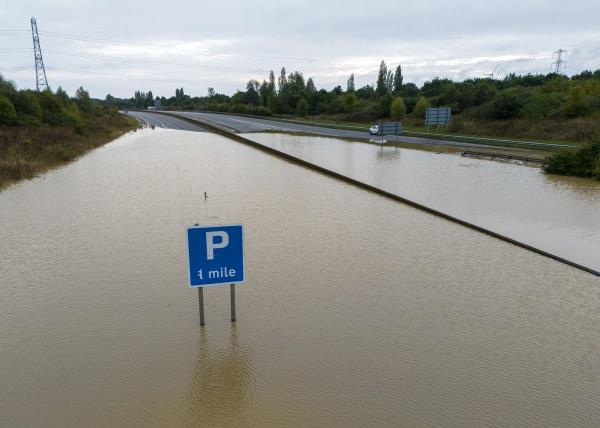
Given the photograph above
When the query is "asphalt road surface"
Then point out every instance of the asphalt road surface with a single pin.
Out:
(244, 124)
(163, 121)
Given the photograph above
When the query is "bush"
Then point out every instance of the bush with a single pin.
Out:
(542, 105)
(52, 110)
(507, 105)
(582, 162)
(398, 109)
(302, 107)
(576, 105)
(350, 101)
(384, 106)
(8, 114)
(420, 108)
(28, 104)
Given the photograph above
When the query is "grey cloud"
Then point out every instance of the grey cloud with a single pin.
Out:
(326, 40)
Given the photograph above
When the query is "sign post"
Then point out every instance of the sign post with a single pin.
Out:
(201, 304)
(216, 256)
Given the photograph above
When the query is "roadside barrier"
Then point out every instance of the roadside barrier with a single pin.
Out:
(231, 134)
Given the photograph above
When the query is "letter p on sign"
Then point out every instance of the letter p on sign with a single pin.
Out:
(211, 244)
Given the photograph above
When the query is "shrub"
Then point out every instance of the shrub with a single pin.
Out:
(542, 105)
(8, 114)
(384, 106)
(421, 108)
(302, 107)
(582, 162)
(507, 105)
(350, 101)
(27, 104)
(398, 109)
(575, 104)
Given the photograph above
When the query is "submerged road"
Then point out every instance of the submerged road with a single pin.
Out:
(163, 121)
(245, 124)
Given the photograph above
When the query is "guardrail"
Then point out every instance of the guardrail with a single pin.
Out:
(228, 133)
(501, 156)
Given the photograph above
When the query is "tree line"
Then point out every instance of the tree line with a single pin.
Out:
(531, 96)
(47, 108)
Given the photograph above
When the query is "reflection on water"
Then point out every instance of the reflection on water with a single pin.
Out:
(222, 379)
(556, 214)
(388, 154)
(356, 310)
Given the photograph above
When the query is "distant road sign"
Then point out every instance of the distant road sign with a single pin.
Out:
(216, 255)
(391, 128)
(438, 116)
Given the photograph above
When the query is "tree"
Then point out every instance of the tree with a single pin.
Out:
(252, 96)
(382, 80)
(507, 104)
(350, 101)
(384, 106)
(575, 104)
(63, 96)
(8, 113)
(211, 92)
(84, 101)
(27, 104)
(398, 78)
(398, 109)
(282, 81)
(302, 107)
(421, 108)
(366, 92)
(350, 85)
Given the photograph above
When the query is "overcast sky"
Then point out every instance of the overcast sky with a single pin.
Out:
(118, 46)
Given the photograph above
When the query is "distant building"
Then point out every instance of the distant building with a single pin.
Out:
(157, 103)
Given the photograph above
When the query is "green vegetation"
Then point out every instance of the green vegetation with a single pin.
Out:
(550, 107)
(398, 109)
(41, 130)
(546, 107)
(583, 161)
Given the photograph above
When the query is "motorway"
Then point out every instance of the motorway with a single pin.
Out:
(245, 124)
(150, 119)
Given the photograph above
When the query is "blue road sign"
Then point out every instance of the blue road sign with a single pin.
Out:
(216, 255)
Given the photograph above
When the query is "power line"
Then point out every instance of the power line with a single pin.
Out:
(127, 76)
(120, 43)
(147, 61)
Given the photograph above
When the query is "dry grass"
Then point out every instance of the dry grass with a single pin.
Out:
(25, 152)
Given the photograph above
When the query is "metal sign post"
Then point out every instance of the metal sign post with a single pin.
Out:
(216, 256)
(201, 304)
(232, 293)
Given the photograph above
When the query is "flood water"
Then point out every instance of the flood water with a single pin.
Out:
(560, 215)
(356, 311)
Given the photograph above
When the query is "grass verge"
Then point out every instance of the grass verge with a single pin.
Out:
(26, 152)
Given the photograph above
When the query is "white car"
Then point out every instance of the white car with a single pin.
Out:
(374, 130)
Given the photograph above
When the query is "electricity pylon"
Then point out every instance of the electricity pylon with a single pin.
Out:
(41, 83)
(560, 63)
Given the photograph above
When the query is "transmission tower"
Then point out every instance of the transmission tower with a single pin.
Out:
(560, 63)
(41, 82)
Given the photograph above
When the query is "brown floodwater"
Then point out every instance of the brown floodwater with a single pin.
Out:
(560, 215)
(356, 311)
